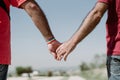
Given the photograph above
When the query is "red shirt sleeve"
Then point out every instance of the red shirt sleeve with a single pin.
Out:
(104, 1)
(17, 3)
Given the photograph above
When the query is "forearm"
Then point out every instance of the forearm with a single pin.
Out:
(89, 23)
(38, 18)
(87, 26)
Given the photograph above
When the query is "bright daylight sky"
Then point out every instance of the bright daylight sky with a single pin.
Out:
(64, 16)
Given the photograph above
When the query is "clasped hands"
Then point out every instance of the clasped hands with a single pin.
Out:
(61, 50)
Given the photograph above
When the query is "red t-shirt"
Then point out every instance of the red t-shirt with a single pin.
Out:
(5, 50)
(113, 27)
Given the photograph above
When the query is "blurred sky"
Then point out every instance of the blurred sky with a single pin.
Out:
(64, 16)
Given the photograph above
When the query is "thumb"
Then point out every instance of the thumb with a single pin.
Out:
(54, 55)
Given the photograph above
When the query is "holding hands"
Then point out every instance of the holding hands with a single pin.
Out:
(52, 46)
(87, 26)
(64, 50)
(60, 51)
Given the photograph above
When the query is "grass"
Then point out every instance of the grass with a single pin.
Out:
(94, 75)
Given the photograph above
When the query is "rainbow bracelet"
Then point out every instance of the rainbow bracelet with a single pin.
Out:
(51, 40)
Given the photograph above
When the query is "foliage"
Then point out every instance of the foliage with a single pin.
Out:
(96, 70)
(84, 67)
(20, 70)
(92, 75)
(50, 73)
(97, 62)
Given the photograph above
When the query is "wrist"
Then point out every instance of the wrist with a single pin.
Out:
(73, 41)
(50, 40)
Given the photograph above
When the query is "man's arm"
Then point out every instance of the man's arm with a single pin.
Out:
(39, 19)
(86, 27)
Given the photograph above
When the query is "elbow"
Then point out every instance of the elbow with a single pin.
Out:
(30, 5)
(31, 8)
(97, 15)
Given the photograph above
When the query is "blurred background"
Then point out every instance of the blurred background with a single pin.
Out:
(30, 53)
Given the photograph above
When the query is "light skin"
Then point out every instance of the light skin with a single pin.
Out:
(87, 26)
(39, 19)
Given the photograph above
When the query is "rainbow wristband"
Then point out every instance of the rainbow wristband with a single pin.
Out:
(51, 40)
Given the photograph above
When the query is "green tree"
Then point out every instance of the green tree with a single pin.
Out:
(20, 70)
(50, 73)
(84, 67)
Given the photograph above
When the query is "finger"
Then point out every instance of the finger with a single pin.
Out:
(58, 49)
(60, 52)
(65, 56)
(54, 55)
(60, 56)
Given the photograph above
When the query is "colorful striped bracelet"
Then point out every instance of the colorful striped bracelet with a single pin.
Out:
(51, 40)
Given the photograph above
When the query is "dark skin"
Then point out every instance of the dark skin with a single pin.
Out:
(39, 19)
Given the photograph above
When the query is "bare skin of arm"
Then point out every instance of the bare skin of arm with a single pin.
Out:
(89, 23)
(39, 19)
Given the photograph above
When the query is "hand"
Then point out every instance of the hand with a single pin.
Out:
(52, 48)
(64, 50)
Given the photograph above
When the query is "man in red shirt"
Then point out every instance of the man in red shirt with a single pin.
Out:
(112, 37)
(37, 16)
